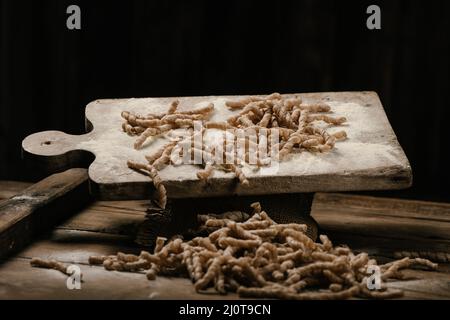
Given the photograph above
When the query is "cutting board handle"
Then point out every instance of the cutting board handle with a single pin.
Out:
(56, 151)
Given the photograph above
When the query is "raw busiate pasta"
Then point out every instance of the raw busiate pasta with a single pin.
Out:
(259, 258)
(289, 120)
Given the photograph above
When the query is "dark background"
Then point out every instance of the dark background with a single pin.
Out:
(165, 48)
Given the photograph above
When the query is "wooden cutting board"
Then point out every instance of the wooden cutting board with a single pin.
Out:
(370, 159)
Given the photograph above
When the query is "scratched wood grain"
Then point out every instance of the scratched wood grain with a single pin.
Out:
(106, 227)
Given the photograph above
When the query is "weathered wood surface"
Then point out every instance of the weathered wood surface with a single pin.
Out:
(39, 207)
(377, 225)
(385, 226)
(371, 159)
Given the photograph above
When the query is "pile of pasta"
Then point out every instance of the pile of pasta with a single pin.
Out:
(290, 121)
(259, 258)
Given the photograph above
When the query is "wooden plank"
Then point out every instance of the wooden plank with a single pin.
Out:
(19, 281)
(381, 231)
(39, 207)
(109, 227)
(424, 210)
(385, 227)
(355, 210)
(371, 159)
(121, 217)
(113, 219)
(376, 225)
(424, 285)
(73, 246)
(9, 189)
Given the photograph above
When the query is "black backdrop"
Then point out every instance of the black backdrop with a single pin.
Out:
(165, 48)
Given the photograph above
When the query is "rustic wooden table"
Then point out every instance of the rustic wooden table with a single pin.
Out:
(383, 227)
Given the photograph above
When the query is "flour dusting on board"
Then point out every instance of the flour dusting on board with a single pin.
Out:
(371, 143)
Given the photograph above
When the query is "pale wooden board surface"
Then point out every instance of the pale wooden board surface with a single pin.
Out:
(382, 227)
(371, 159)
